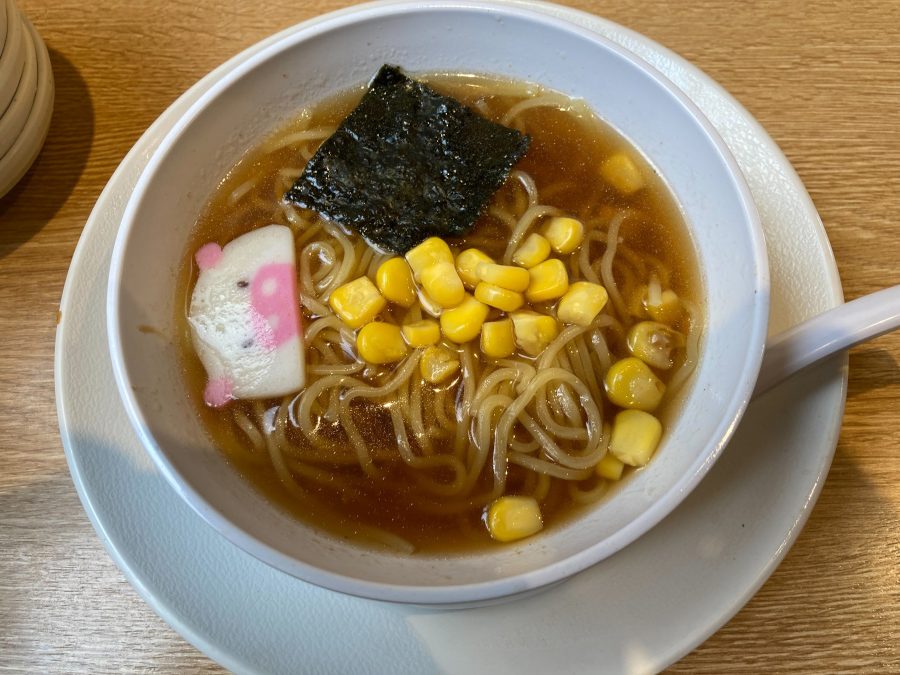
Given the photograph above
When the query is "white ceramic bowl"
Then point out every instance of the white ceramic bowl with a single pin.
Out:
(342, 50)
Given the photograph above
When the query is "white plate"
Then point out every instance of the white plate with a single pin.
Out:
(12, 57)
(630, 613)
(13, 119)
(25, 149)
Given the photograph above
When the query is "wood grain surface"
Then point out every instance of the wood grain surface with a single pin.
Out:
(823, 77)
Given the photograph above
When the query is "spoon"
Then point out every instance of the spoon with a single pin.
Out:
(835, 330)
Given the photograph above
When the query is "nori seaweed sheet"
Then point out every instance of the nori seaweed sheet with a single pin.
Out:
(406, 164)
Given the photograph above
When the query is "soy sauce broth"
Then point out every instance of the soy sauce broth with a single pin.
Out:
(567, 147)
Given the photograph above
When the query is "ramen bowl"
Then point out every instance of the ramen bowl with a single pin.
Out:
(342, 50)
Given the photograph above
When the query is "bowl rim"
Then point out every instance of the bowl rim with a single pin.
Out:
(450, 594)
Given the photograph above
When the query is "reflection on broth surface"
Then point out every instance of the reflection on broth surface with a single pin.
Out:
(405, 455)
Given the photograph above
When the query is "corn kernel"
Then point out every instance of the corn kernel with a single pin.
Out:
(463, 322)
(582, 303)
(380, 342)
(511, 518)
(467, 265)
(533, 331)
(668, 310)
(442, 284)
(357, 302)
(421, 333)
(535, 249)
(631, 384)
(500, 298)
(564, 234)
(504, 276)
(654, 343)
(394, 280)
(635, 435)
(622, 173)
(432, 250)
(610, 467)
(438, 364)
(498, 339)
(549, 280)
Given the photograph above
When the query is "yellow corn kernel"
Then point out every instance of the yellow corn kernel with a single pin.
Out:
(394, 280)
(582, 303)
(564, 234)
(498, 339)
(438, 364)
(357, 302)
(535, 249)
(610, 467)
(533, 331)
(622, 173)
(510, 518)
(635, 435)
(654, 343)
(467, 265)
(442, 284)
(421, 333)
(631, 384)
(505, 276)
(667, 309)
(380, 342)
(508, 301)
(548, 281)
(432, 250)
(463, 322)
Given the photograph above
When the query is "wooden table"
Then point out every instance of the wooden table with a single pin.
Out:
(822, 77)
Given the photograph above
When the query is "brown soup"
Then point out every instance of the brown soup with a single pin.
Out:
(400, 503)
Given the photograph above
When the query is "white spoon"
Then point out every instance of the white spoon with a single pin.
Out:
(837, 329)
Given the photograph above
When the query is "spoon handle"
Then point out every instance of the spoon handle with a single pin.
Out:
(837, 329)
